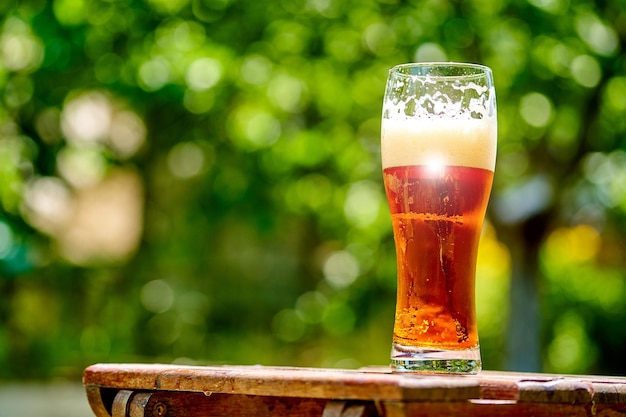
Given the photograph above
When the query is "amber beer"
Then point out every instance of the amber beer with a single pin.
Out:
(438, 171)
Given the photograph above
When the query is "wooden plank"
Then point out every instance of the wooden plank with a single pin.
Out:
(537, 388)
(485, 408)
(94, 396)
(138, 404)
(179, 404)
(279, 381)
(255, 390)
(607, 392)
(610, 410)
(121, 403)
(175, 404)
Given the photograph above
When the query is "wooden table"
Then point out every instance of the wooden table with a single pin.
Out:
(117, 390)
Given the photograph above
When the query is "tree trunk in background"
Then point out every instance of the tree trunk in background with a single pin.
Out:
(523, 339)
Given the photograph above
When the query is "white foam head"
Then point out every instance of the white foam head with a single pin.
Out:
(439, 141)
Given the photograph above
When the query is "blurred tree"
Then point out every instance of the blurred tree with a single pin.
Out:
(199, 180)
(556, 87)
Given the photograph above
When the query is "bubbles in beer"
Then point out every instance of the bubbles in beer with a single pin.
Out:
(431, 325)
(437, 219)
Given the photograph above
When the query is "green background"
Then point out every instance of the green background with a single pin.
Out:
(199, 181)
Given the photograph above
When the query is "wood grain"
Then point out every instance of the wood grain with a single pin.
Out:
(279, 381)
(170, 391)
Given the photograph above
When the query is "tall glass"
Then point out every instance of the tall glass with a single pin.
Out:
(438, 145)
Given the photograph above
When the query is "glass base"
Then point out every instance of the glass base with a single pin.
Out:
(422, 360)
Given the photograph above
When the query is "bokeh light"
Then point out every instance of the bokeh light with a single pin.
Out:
(199, 181)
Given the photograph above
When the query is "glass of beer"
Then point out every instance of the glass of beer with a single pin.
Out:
(438, 146)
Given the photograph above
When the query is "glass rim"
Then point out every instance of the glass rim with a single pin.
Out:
(479, 70)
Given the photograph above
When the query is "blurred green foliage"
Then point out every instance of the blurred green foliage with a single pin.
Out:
(199, 180)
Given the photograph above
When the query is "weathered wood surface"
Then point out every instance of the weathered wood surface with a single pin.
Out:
(169, 390)
(280, 381)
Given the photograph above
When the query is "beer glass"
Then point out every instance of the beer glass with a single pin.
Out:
(438, 146)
